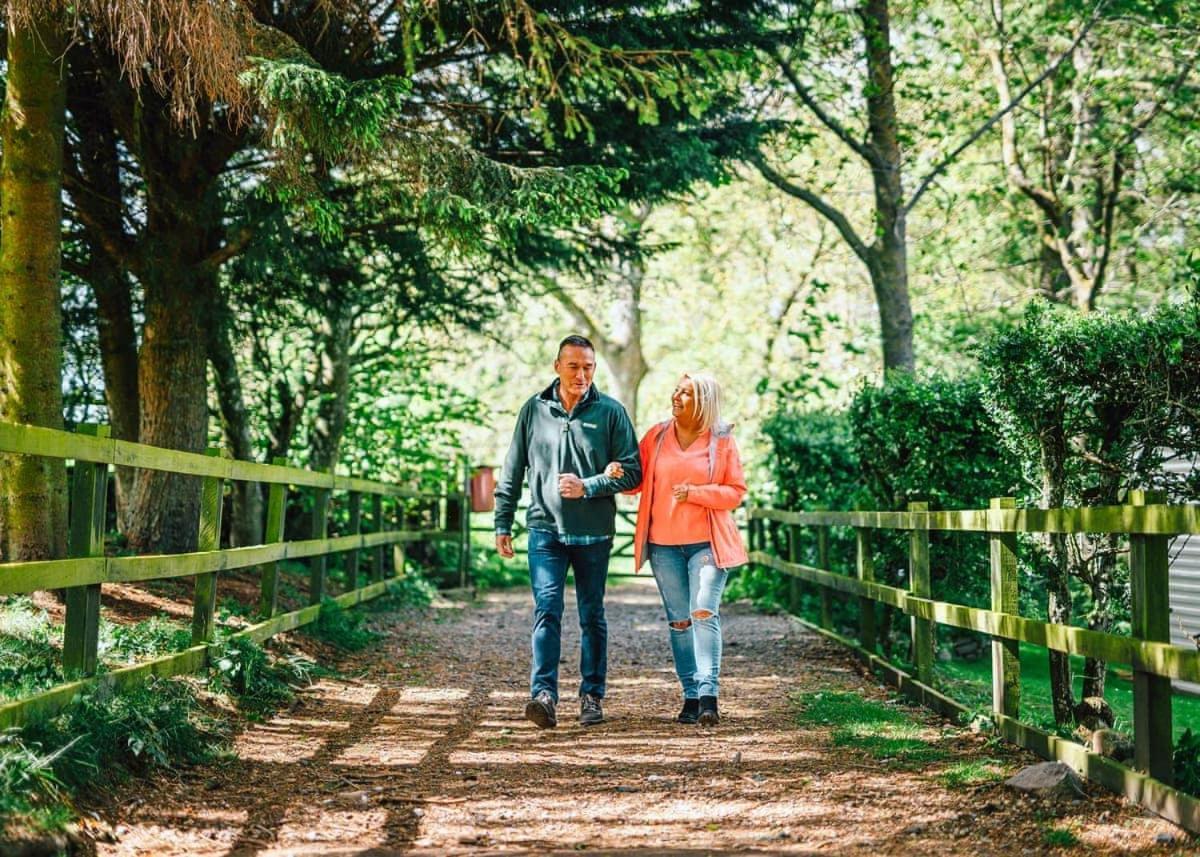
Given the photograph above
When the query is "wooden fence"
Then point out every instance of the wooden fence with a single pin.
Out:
(397, 516)
(1147, 521)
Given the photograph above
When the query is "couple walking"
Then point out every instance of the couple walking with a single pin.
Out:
(579, 449)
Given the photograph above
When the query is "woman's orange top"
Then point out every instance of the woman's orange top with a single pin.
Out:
(719, 494)
(672, 522)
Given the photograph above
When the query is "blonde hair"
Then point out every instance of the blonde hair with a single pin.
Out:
(708, 399)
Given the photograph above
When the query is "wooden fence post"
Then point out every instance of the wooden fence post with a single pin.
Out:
(864, 570)
(919, 584)
(268, 602)
(1149, 579)
(794, 556)
(823, 564)
(355, 530)
(464, 524)
(398, 556)
(377, 552)
(1006, 654)
(455, 511)
(89, 494)
(320, 530)
(204, 596)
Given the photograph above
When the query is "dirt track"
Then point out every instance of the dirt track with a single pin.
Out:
(425, 752)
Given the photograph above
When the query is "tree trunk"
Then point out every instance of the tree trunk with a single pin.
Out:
(623, 350)
(179, 256)
(246, 526)
(1058, 591)
(94, 183)
(31, 133)
(172, 387)
(1103, 579)
(184, 225)
(889, 268)
(117, 336)
(336, 332)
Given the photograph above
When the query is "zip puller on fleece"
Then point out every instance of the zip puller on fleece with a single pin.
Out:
(549, 441)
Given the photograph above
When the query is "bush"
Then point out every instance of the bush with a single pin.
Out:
(1187, 762)
(932, 439)
(814, 463)
(103, 736)
(243, 670)
(1090, 405)
(813, 466)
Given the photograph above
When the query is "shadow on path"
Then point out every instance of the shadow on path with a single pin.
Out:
(427, 753)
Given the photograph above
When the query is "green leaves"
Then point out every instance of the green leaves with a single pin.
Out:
(1104, 394)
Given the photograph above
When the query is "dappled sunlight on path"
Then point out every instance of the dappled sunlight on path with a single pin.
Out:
(427, 753)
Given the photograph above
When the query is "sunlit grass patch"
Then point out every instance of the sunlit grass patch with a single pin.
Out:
(838, 708)
(883, 731)
(975, 772)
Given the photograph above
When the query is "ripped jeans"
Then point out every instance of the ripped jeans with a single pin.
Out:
(690, 585)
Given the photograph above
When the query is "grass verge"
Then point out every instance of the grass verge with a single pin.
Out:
(882, 731)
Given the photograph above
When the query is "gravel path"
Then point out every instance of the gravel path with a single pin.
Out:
(425, 752)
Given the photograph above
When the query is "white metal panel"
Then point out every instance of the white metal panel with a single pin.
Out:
(1185, 584)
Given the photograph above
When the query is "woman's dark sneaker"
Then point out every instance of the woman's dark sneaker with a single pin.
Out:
(540, 710)
(590, 712)
(708, 711)
(690, 712)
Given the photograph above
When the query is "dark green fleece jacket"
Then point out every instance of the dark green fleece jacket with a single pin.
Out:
(547, 442)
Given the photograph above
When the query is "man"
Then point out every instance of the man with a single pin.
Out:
(565, 436)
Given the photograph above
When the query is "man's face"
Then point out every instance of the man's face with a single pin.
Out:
(575, 367)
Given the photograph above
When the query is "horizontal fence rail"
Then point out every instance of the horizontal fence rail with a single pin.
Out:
(410, 517)
(1146, 520)
(52, 443)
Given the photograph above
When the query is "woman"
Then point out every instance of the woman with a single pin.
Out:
(692, 480)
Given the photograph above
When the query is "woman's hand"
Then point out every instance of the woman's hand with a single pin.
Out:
(614, 470)
(680, 492)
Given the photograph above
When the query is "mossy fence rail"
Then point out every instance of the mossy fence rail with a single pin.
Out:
(1147, 521)
(398, 516)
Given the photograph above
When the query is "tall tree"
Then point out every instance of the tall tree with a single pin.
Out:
(361, 87)
(1085, 157)
(31, 133)
(618, 276)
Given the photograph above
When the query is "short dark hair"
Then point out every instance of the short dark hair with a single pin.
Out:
(578, 341)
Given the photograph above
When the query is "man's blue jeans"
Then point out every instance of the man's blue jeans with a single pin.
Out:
(691, 585)
(548, 561)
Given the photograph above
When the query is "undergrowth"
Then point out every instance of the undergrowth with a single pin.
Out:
(344, 629)
(104, 736)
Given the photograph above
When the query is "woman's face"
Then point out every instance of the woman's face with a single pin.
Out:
(683, 401)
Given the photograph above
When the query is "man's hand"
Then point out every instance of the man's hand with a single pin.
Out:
(680, 492)
(614, 470)
(504, 546)
(570, 486)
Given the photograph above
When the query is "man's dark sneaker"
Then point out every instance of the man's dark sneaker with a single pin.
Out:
(540, 710)
(690, 712)
(590, 712)
(708, 711)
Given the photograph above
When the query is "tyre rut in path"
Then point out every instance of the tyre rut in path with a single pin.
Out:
(426, 752)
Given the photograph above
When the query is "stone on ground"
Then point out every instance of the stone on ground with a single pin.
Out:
(1048, 780)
